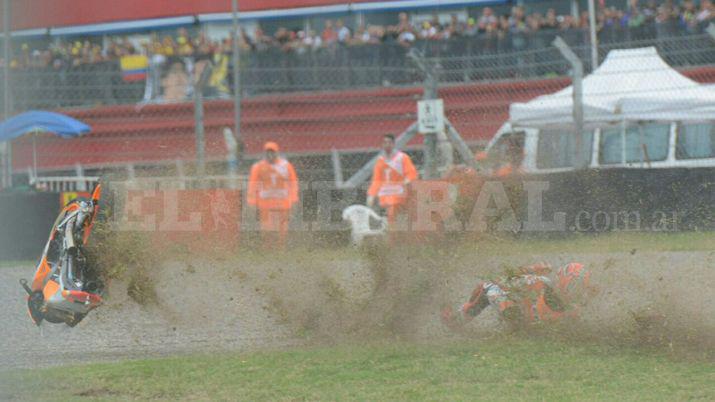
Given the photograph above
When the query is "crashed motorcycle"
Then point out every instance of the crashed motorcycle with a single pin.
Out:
(66, 287)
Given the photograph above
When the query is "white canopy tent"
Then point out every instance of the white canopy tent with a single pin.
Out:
(630, 85)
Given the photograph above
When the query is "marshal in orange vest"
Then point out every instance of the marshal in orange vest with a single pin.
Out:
(273, 189)
(392, 172)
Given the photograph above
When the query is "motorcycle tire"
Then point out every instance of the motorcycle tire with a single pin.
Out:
(76, 318)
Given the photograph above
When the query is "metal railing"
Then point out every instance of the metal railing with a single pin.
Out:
(183, 183)
(64, 183)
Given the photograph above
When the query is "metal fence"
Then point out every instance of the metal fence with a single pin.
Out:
(272, 70)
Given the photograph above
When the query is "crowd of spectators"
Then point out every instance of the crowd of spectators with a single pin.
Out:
(645, 18)
(76, 53)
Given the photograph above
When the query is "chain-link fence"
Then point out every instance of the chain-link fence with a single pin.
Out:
(276, 70)
(310, 106)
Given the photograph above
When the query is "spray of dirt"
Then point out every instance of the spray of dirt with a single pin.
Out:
(656, 300)
(124, 257)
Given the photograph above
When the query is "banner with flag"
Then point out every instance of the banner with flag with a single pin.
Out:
(134, 67)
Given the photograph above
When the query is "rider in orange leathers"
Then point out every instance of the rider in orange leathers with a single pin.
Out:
(527, 296)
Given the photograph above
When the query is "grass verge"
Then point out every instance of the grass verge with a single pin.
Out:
(503, 369)
(602, 243)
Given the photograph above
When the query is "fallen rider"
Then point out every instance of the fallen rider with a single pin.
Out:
(526, 296)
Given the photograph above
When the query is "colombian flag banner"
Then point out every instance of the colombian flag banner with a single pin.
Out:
(134, 67)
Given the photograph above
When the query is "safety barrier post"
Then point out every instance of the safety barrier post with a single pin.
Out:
(430, 92)
(6, 179)
(199, 121)
(593, 37)
(231, 157)
(236, 78)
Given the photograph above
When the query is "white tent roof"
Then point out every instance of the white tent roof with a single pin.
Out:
(631, 85)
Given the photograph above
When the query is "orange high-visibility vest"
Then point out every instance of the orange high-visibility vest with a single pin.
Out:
(273, 185)
(389, 177)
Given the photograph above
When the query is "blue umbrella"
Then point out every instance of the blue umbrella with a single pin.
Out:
(39, 121)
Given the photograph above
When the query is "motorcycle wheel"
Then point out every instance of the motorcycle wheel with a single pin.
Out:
(76, 318)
